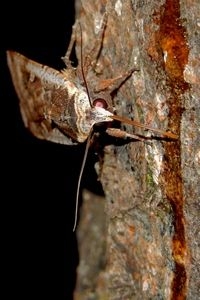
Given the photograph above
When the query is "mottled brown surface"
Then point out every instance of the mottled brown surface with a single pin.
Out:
(152, 190)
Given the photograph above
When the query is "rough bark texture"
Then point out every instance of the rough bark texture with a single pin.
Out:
(148, 247)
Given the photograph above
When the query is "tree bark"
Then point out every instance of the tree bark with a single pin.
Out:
(143, 243)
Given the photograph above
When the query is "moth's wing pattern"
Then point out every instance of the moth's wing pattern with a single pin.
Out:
(36, 86)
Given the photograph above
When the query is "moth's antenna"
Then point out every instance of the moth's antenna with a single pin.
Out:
(80, 177)
(82, 69)
(89, 136)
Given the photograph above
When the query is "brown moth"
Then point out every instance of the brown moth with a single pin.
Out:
(54, 105)
(58, 105)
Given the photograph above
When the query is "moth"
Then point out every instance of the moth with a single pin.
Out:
(59, 106)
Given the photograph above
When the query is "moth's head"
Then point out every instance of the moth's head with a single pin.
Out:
(102, 100)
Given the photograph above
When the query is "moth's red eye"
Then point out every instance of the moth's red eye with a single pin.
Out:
(100, 103)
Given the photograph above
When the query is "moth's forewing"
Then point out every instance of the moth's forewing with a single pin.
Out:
(42, 94)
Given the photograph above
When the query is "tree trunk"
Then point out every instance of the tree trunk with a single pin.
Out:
(141, 242)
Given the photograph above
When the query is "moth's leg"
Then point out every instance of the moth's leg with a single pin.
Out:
(65, 58)
(112, 84)
(118, 133)
(91, 58)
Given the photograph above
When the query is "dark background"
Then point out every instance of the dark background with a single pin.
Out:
(40, 177)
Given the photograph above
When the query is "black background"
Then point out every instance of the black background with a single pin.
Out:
(40, 177)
